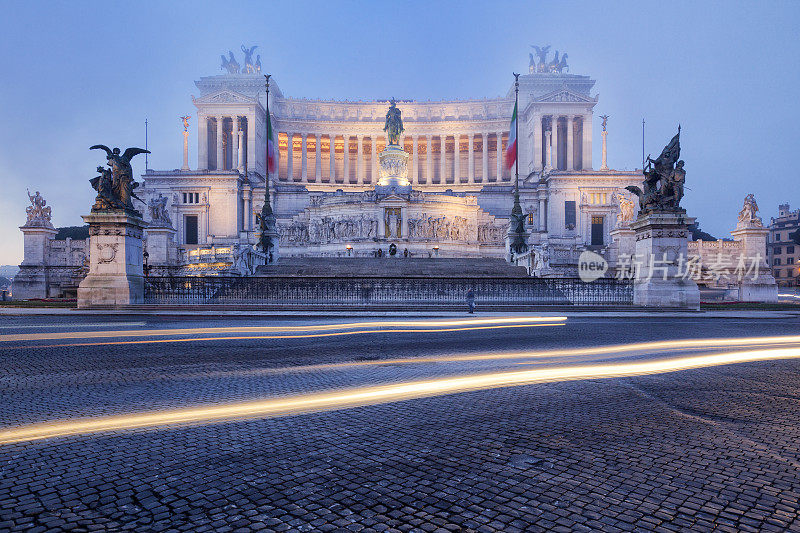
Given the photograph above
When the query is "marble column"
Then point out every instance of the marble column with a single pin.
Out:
(554, 141)
(587, 142)
(442, 158)
(220, 133)
(374, 158)
(185, 150)
(360, 160)
(202, 142)
(485, 175)
(499, 135)
(457, 158)
(542, 213)
(240, 149)
(346, 161)
(332, 158)
(251, 157)
(289, 156)
(246, 195)
(235, 143)
(570, 145)
(604, 165)
(415, 159)
(548, 150)
(429, 160)
(303, 158)
(318, 158)
(536, 152)
(471, 160)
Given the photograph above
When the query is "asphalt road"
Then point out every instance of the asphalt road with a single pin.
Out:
(297, 424)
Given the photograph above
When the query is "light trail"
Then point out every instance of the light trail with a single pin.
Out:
(422, 324)
(98, 325)
(789, 296)
(372, 395)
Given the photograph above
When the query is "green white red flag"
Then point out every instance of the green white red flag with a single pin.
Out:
(511, 149)
(272, 157)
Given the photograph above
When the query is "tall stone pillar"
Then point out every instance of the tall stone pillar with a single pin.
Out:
(202, 142)
(32, 280)
(554, 146)
(758, 285)
(303, 158)
(251, 157)
(570, 145)
(235, 140)
(346, 162)
(499, 147)
(185, 150)
(429, 160)
(662, 239)
(471, 160)
(318, 158)
(456, 158)
(542, 211)
(247, 197)
(374, 159)
(548, 153)
(485, 151)
(442, 158)
(536, 151)
(240, 149)
(220, 133)
(332, 158)
(360, 160)
(289, 156)
(604, 165)
(115, 260)
(415, 160)
(587, 142)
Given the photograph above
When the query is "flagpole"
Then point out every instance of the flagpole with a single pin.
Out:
(516, 132)
(266, 137)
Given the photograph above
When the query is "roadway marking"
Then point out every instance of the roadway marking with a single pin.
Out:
(373, 395)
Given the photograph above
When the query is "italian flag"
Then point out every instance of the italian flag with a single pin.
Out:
(511, 149)
(272, 159)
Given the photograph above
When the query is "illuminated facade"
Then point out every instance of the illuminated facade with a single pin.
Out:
(323, 192)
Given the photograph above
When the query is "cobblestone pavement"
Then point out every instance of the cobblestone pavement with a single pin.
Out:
(706, 449)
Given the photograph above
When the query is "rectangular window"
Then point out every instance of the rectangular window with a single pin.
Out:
(790, 249)
(790, 260)
(184, 197)
(190, 229)
(777, 273)
(777, 250)
(597, 230)
(197, 197)
(777, 237)
(569, 213)
(777, 261)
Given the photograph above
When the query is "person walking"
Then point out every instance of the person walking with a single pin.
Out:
(471, 301)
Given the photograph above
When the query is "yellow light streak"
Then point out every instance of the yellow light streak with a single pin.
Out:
(22, 337)
(372, 395)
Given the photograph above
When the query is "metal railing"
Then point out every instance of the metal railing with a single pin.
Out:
(384, 292)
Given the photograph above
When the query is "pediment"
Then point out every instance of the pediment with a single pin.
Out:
(225, 96)
(565, 95)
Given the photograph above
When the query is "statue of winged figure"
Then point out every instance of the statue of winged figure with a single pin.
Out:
(394, 123)
(118, 194)
(249, 66)
(230, 63)
(541, 53)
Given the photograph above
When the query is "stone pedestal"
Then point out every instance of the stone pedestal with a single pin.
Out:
(757, 285)
(393, 171)
(661, 248)
(623, 246)
(115, 254)
(162, 249)
(32, 279)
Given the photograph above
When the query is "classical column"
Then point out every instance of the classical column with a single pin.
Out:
(587, 142)
(485, 150)
(346, 161)
(251, 158)
(220, 133)
(374, 158)
(202, 142)
(289, 156)
(442, 158)
(499, 156)
(360, 160)
(234, 143)
(303, 158)
(542, 213)
(429, 160)
(415, 160)
(536, 152)
(548, 150)
(554, 141)
(604, 166)
(471, 161)
(332, 157)
(185, 150)
(318, 159)
(457, 158)
(240, 147)
(570, 145)
(246, 193)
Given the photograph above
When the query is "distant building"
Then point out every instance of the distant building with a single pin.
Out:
(783, 252)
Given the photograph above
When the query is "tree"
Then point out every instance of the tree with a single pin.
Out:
(700, 235)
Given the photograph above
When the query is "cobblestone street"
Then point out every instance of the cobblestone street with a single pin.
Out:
(696, 450)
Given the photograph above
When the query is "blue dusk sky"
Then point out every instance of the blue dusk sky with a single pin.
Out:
(80, 73)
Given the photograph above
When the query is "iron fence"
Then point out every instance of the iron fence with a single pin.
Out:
(384, 292)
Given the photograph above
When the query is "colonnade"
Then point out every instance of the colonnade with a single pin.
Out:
(434, 159)
(562, 141)
(229, 143)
